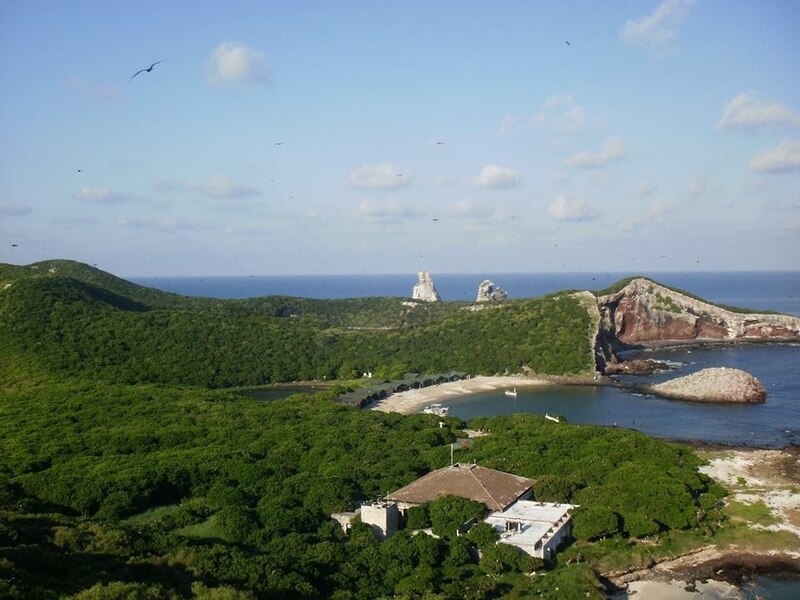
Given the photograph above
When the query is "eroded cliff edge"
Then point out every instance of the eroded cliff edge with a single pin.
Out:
(644, 313)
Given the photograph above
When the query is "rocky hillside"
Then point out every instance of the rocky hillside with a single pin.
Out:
(645, 313)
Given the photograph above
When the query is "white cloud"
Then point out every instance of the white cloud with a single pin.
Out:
(657, 31)
(102, 195)
(389, 209)
(237, 64)
(510, 122)
(216, 187)
(469, 209)
(442, 180)
(562, 114)
(647, 188)
(166, 224)
(784, 158)
(602, 178)
(236, 231)
(384, 176)
(567, 208)
(749, 113)
(697, 185)
(614, 149)
(495, 177)
(8, 209)
(657, 211)
(655, 215)
(480, 214)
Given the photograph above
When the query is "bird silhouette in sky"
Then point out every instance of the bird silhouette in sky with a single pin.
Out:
(147, 70)
(567, 43)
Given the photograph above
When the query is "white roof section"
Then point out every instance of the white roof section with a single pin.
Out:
(534, 521)
(529, 510)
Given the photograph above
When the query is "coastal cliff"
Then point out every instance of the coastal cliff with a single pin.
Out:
(644, 312)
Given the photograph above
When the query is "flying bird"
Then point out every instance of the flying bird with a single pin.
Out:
(148, 69)
(567, 43)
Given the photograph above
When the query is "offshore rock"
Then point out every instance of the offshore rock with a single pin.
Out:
(713, 385)
(488, 292)
(425, 290)
(637, 366)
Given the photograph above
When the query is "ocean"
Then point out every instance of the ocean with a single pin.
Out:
(774, 424)
(775, 290)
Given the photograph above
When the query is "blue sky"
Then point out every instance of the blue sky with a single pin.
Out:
(386, 137)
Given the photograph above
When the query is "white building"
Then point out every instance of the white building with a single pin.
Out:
(382, 516)
(537, 528)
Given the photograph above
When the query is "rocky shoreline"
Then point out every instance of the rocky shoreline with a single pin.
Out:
(762, 477)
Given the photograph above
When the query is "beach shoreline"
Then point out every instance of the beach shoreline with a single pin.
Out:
(412, 401)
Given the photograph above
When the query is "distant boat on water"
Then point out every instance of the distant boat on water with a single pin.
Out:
(436, 409)
(552, 418)
(511, 392)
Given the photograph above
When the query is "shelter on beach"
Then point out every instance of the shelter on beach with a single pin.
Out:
(366, 395)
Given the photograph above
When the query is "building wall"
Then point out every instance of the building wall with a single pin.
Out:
(382, 516)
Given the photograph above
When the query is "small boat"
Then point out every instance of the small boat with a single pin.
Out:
(512, 392)
(552, 418)
(436, 409)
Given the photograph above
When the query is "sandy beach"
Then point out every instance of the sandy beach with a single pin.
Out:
(414, 400)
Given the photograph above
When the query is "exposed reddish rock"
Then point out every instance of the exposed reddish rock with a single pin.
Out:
(713, 385)
(644, 312)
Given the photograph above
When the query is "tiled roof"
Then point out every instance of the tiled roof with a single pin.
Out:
(495, 489)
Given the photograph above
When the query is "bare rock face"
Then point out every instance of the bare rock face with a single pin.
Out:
(489, 292)
(644, 311)
(425, 290)
(713, 385)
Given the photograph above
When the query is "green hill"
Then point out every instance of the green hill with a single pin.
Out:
(123, 476)
(70, 319)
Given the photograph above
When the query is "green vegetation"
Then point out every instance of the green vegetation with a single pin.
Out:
(123, 475)
(74, 328)
(756, 512)
(668, 303)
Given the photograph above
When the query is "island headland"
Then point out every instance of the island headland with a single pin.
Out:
(641, 313)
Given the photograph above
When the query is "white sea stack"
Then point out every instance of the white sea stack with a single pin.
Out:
(425, 290)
